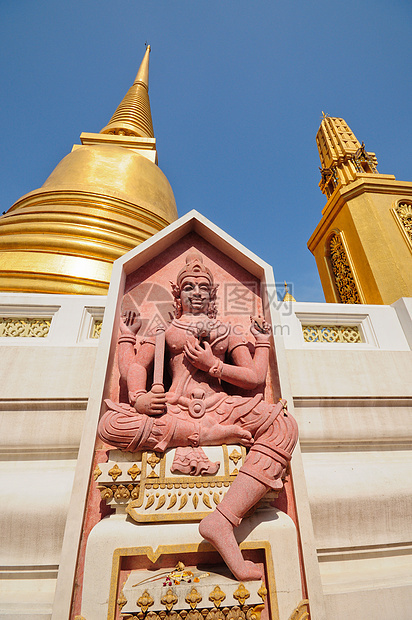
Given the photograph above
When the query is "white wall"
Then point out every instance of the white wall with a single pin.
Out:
(353, 403)
(43, 398)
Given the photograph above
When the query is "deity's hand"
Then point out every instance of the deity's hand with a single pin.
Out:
(130, 322)
(152, 403)
(260, 329)
(201, 358)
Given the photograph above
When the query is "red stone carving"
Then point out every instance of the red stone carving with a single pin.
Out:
(202, 352)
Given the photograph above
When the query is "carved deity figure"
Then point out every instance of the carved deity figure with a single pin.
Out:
(202, 352)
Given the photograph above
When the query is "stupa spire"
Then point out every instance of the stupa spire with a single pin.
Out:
(133, 116)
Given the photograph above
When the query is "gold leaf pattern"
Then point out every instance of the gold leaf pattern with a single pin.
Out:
(135, 493)
(173, 501)
(161, 501)
(195, 500)
(206, 501)
(216, 498)
(150, 502)
(183, 502)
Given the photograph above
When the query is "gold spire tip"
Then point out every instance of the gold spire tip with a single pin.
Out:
(142, 76)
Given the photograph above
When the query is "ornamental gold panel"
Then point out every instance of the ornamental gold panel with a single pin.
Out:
(19, 327)
(404, 215)
(97, 329)
(331, 333)
(342, 273)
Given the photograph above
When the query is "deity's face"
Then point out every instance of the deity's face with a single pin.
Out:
(195, 295)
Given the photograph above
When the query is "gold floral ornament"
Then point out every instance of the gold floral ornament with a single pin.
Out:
(241, 594)
(106, 493)
(193, 598)
(121, 493)
(404, 211)
(133, 471)
(122, 600)
(145, 601)
(169, 599)
(115, 472)
(153, 460)
(235, 456)
(262, 592)
(217, 596)
(301, 612)
(97, 472)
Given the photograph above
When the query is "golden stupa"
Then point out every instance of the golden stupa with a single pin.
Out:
(104, 198)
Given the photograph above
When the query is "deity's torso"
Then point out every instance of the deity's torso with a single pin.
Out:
(188, 381)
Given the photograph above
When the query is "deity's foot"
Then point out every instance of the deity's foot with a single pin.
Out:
(216, 529)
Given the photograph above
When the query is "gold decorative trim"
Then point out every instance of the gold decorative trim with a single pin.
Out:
(301, 612)
(252, 613)
(332, 333)
(24, 327)
(153, 493)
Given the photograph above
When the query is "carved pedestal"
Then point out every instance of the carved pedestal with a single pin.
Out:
(131, 555)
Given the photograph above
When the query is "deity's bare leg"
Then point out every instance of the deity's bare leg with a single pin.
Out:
(217, 527)
(264, 468)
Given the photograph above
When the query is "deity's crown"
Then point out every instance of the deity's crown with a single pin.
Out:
(194, 268)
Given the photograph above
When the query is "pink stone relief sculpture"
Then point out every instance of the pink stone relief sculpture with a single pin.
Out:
(202, 352)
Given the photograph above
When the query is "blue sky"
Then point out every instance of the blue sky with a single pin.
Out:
(237, 89)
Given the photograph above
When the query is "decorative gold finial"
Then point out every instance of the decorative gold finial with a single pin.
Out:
(133, 116)
(288, 296)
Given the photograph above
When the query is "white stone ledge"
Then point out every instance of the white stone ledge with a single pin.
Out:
(360, 498)
(350, 374)
(347, 424)
(41, 427)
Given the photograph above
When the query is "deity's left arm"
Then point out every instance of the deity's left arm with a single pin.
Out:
(138, 371)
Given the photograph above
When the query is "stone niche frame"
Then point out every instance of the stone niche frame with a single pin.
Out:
(192, 222)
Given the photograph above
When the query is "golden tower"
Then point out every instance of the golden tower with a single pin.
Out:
(104, 198)
(363, 243)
